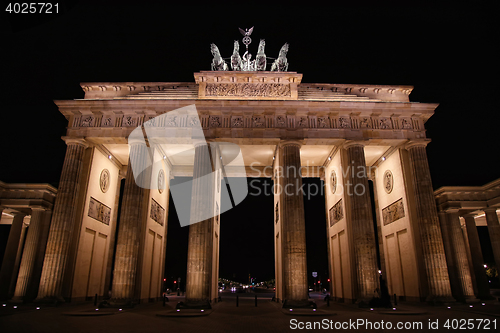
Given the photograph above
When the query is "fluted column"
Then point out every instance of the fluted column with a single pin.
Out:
(199, 266)
(293, 225)
(130, 226)
(62, 225)
(10, 255)
(494, 231)
(33, 239)
(459, 266)
(477, 261)
(112, 237)
(17, 263)
(430, 232)
(363, 233)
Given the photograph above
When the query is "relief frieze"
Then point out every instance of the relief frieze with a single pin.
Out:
(247, 90)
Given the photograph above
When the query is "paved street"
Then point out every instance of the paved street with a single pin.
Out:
(226, 317)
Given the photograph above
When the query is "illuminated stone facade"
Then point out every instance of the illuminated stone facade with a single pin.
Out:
(355, 137)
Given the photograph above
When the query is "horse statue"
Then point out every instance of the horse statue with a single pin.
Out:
(260, 58)
(218, 64)
(235, 58)
(281, 64)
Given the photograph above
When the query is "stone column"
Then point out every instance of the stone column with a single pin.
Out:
(362, 227)
(112, 237)
(199, 269)
(427, 218)
(9, 258)
(17, 263)
(494, 231)
(459, 267)
(33, 239)
(293, 225)
(130, 226)
(477, 261)
(62, 225)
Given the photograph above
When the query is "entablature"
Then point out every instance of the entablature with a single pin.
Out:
(313, 118)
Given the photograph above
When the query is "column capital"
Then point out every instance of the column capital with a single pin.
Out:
(122, 173)
(451, 210)
(469, 215)
(136, 141)
(200, 142)
(490, 209)
(285, 143)
(352, 143)
(76, 141)
(37, 207)
(16, 213)
(417, 143)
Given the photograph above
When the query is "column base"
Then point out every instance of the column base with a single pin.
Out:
(298, 304)
(375, 302)
(440, 300)
(17, 300)
(50, 300)
(118, 303)
(471, 299)
(194, 304)
(488, 297)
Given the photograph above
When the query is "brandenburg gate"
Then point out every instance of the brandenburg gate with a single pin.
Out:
(349, 135)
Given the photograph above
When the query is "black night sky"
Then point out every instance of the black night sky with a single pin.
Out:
(448, 54)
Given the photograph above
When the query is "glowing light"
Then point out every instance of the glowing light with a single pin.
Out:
(202, 310)
(38, 308)
(449, 307)
(483, 304)
(119, 309)
(371, 309)
(394, 308)
(178, 310)
(383, 158)
(314, 309)
(109, 156)
(485, 266)
(15, 306)
(291, 310)
(4, 304)
(470, 306)
(97, 309)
